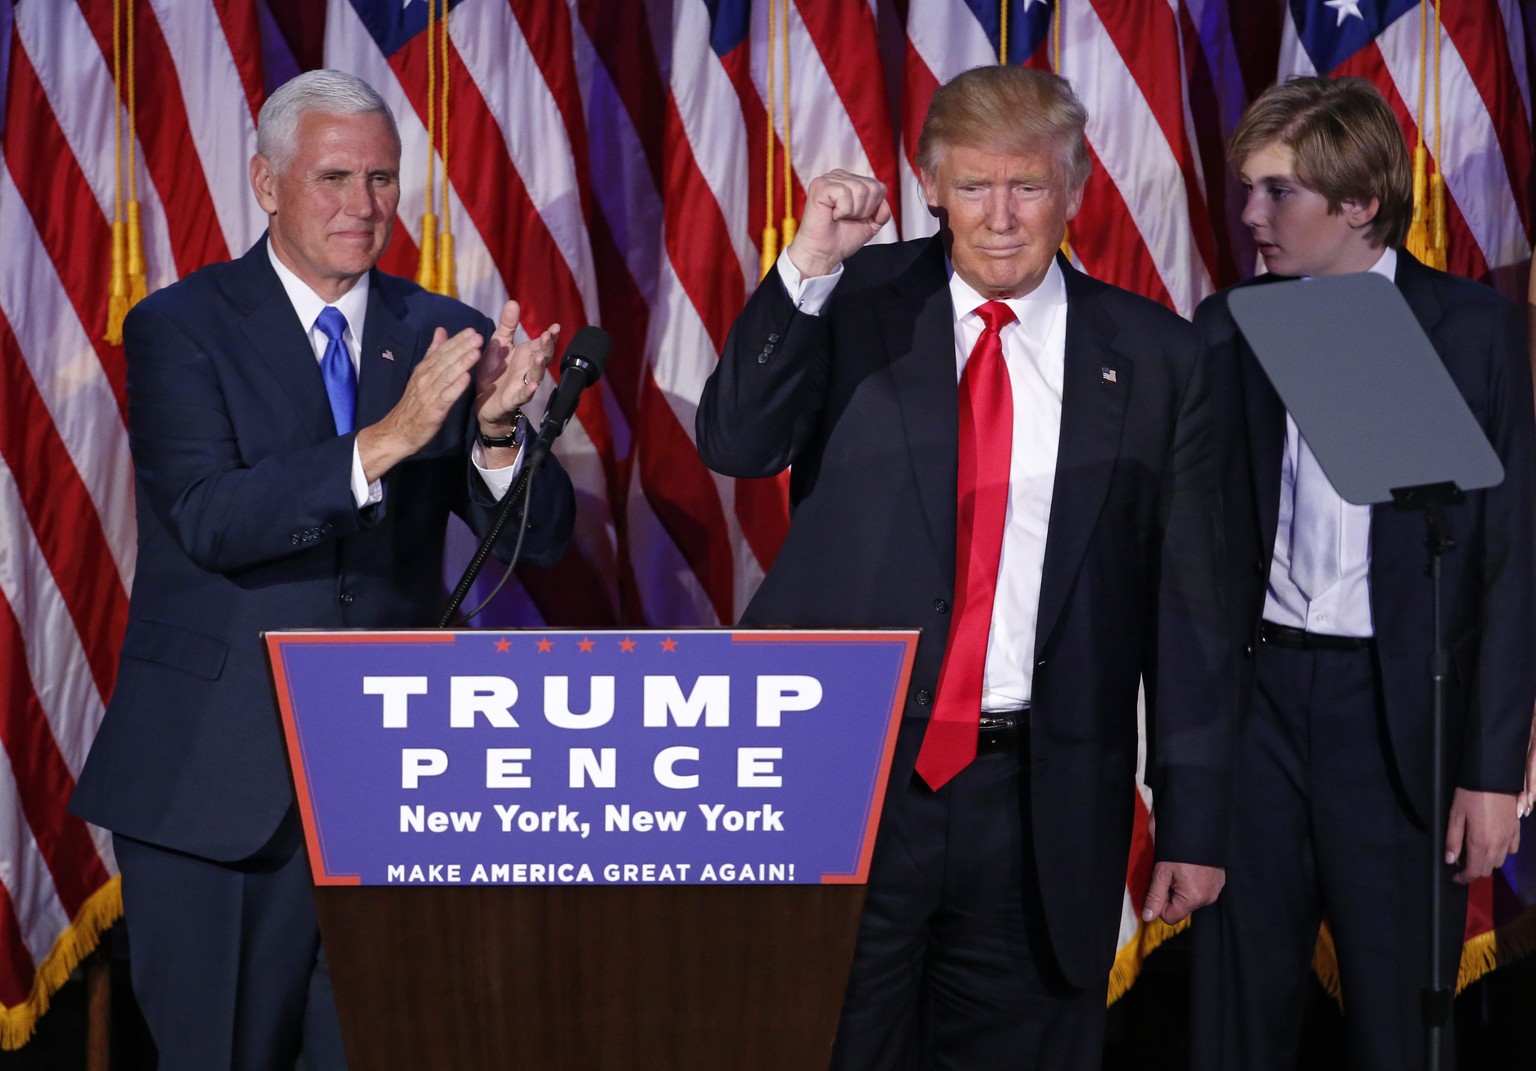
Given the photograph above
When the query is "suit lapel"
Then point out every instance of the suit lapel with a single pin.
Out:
(281, 343)
(1266, 443)
(917, 318)
(381, 379)
(1413, 279)
(1092, 416)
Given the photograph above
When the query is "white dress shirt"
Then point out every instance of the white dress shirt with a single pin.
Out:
(1345, 608)
(1034, 350)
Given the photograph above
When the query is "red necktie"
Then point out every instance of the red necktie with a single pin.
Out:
(986, 450)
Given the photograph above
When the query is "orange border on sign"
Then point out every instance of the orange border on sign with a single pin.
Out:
(276, 641)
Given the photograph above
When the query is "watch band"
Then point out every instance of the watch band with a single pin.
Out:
(515, 439)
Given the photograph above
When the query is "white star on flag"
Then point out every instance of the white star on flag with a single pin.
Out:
(1345, 8)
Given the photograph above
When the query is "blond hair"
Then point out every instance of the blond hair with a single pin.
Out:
(1013, 108)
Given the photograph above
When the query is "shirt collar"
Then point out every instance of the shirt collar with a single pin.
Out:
(1036, 310)
(308, 304)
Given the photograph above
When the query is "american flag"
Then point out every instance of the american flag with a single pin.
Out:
(1475, 113)
(607, 163)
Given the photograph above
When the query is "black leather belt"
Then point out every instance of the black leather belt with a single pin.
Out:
(1001, 730)
(1302, 640)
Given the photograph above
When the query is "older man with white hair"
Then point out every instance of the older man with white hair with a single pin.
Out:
(301, 426)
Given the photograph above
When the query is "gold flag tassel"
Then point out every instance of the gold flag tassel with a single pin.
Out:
(447, 275)
(770, 232)
(1002, 33)
(1418, 230)
(137, 285)
(1066, 234)
(1438, 238)
(787, 224)
(426, 266)
(117, 299)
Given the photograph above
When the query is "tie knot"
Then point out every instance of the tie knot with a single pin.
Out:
(331, 322)
(996, 315)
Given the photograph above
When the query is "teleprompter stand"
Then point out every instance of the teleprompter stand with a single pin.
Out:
(1373, 400)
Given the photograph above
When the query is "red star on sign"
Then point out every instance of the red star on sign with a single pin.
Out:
(545, 645)
(669, 644)
(626, 644)
(585, 645)
(503, 645)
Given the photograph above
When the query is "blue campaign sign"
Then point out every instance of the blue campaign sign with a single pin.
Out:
(542, 758)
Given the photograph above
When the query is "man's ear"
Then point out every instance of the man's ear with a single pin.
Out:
(929, 181)
(264, 184)
(1360, 214)
(1075, 201)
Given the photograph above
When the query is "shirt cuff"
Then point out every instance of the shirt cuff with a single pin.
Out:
(808, 295)
(365, 494)
(499, 481)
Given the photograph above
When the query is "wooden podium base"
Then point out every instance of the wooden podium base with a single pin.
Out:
(629, 978)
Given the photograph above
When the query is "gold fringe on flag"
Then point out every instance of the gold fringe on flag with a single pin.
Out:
(1515, 940)
(1498, 947)
(1128, 960)
(770, 232)
(101, 910)
(1002, 32)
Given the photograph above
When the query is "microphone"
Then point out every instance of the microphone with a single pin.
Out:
(581, 366)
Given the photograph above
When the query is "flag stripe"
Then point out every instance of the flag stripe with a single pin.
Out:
(42, 779)
(238, 35)
(1137, 158)
(1465, 254)
(63, 209)
(691, 510)
(847, 47)
(16, 970)
(62, 515)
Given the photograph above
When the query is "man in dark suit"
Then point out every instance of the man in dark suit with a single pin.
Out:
(1051, 526)
(260, 507)
(1332, 611)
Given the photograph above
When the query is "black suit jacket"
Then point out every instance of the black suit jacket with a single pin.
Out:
(246, 522)
(862, 401)
(1490, 601)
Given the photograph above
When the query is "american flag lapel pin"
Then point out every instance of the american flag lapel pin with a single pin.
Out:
(387, 355)
(1108, 375)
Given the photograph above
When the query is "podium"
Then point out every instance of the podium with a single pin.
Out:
(590, 850)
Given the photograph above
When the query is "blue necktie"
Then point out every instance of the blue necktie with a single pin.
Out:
(336, 368)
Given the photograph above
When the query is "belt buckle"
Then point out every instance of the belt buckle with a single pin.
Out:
(996, 733)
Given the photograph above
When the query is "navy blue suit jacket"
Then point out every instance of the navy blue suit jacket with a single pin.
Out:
(1489, 578)
(246, 522)
(862, 401)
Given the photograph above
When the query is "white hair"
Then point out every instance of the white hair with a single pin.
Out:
(326, 91)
